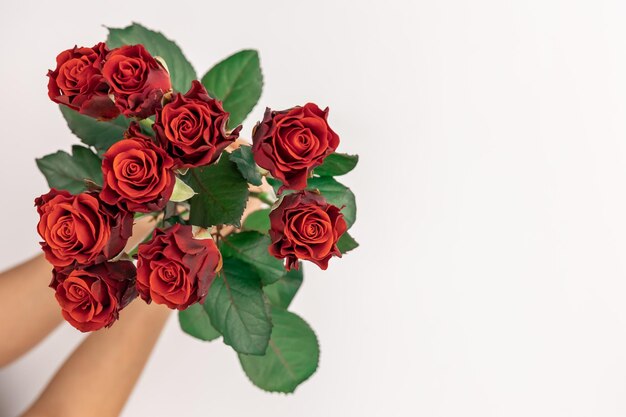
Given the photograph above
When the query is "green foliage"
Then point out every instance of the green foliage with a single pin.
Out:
(244, 159)
(221, 196)
(181, 71)
(195, 322)
(247, 301)
(258, 220)
(336, 194)
(182, 191)
(346, 243)
(281, 292)
(237, 308)
(237, 81)
(276, 184)
(252, 247)
(92, 132)
(291, 358)
(69, 172)
(337, 164)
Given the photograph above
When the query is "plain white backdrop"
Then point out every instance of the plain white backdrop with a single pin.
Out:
(491, 277)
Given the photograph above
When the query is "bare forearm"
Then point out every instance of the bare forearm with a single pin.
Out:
(27, 307)
(99, 376)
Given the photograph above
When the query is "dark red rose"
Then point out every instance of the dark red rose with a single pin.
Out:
(91, 297)
(137, 80)
(176, 269)
(290, 143)
(80, 229)
(137, 173)
(192, 128)
(304, 226)
(78, 83)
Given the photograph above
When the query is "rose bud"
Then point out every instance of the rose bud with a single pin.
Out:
(176, 269)
(304, 226)
(80, 229)
(78, 83)
(192, 127)
(137, 173)
(290, 143)
(137, 80)
(91, 297)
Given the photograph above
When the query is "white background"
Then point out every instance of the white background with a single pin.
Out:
(491, 277)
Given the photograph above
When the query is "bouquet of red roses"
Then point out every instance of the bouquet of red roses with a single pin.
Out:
(161, 146)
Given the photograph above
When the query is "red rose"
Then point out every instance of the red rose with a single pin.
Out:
(290, 143)
(137, 173)
(77, 82)
(80, 229)
(304, 226)
(91, 298)
(176, 269)
(192, 128)
(137, 80)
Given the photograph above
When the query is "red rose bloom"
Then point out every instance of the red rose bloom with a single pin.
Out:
(77, 82)
(80, 229)
(91, 298)
(192, 128)
(137, 173)
(290, 143)
(176, 269)
(304, 226)
(137, 80)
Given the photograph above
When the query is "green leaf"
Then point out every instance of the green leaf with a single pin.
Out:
(282, 291)
(181, 71)
(90, 163)
(346, 243)
(237, 308)
(337, 164)
(258, 220)
(252, 248)
(291, 358)
(69, 172)
(276, 184)
(221, 196)
(92, 132)
(237, 81)
(244, 159)
(195, 322)
(182, 192)
(336, 194)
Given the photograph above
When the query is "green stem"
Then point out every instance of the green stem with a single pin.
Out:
(146, 123)
(135, 249)
(264, 197)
